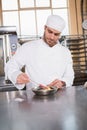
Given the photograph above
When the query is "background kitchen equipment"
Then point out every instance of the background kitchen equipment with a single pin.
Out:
(8, 46)
(77, 44)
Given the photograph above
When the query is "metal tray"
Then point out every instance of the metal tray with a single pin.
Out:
(44, 92)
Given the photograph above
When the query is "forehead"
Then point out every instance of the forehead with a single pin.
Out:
(53, 30)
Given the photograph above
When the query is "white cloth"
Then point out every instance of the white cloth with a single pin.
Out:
(56, 22)
(43, 63)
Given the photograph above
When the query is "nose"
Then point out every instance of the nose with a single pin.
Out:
(52, 36)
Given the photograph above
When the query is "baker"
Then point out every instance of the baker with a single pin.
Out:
(46, 61)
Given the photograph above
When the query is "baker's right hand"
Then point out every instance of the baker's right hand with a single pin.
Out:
(22, 78)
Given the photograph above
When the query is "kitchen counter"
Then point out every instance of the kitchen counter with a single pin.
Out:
(23, 110)
(6, 86)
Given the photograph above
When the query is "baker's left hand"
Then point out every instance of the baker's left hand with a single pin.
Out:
(57, 83)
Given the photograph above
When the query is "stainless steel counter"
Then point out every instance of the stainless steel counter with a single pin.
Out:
(65, 110)
(6, 86)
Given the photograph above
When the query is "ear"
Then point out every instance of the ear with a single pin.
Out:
(45, 27)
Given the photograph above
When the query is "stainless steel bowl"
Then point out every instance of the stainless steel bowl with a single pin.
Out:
(44, 92)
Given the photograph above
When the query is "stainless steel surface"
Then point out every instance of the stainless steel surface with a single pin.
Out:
(1, 57)
(5, 86)
(23, 110)
(8, 45)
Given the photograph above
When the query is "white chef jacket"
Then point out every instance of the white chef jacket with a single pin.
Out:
(43, 64)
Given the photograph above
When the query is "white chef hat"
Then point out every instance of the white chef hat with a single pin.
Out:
(56, 22)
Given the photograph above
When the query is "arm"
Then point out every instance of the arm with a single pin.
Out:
(13, 68)
(68, 74)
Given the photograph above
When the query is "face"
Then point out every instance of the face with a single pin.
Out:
(51, 36)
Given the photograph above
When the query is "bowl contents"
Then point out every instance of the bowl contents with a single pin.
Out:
(44, 87)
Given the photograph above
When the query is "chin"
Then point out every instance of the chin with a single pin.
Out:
(52, 44)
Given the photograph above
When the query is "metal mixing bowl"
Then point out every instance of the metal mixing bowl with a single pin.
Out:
(44, 92)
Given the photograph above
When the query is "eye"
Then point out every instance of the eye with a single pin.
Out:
(57, 34)
(50, 31)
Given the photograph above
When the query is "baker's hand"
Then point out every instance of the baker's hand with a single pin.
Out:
(22, 78)
(57, 83)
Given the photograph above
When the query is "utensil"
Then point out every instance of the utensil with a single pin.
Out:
(34, 82)
(38, 84)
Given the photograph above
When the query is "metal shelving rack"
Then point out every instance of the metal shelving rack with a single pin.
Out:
(78, 48)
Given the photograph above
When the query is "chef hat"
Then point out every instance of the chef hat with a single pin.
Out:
(56, 22)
